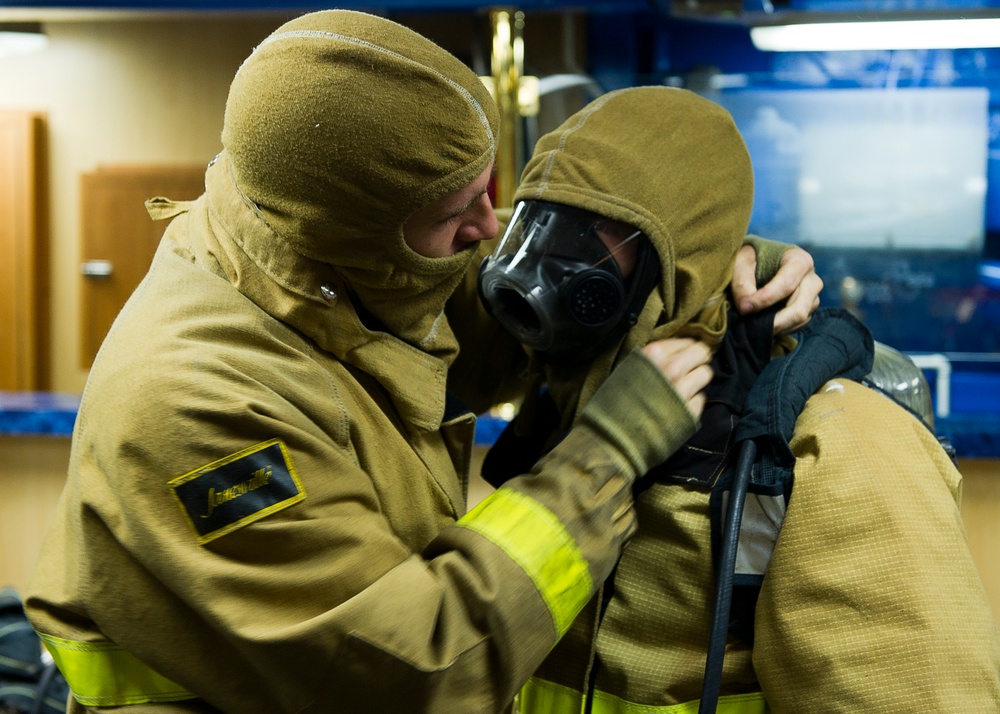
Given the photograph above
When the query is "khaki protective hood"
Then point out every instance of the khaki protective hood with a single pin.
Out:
(674, 165)
(337, 128)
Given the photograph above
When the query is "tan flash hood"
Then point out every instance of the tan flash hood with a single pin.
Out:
(671, 163)
(337, 128)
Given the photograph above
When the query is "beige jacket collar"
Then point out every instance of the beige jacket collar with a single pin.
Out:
(227, 235)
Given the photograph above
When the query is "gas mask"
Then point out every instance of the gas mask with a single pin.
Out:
(555, 284)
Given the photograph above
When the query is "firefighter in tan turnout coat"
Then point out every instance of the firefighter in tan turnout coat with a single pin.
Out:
(870, 601)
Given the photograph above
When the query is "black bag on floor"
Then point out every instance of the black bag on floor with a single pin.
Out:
(29, 680)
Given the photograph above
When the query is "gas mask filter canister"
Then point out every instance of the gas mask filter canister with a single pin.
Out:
(555, 285)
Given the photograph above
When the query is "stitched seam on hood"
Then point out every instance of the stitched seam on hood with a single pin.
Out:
(237, 239)
(543, 184)
(254, 208)
(321, 34)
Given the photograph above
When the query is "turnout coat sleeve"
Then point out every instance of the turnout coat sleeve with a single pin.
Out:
(872, 601)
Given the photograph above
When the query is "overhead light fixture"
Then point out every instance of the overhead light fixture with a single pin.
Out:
(18, 38)
(878, 35)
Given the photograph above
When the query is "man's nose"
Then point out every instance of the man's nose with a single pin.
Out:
(483, 223)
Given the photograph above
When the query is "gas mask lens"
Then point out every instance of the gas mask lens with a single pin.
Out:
(562, 279)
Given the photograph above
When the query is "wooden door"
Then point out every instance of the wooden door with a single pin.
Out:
(23, 252)
(119, 238)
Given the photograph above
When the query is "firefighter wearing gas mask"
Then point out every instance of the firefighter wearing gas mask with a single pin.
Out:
(567, 282)
(625, 228)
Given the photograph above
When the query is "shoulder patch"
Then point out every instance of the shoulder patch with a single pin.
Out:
(237, 490)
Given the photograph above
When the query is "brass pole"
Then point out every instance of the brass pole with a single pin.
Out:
(507, 67)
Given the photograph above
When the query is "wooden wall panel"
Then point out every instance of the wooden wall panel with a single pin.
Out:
(118, 236)
(23, 252)
(32, 475)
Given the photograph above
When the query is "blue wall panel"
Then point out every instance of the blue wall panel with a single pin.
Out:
(915, 300)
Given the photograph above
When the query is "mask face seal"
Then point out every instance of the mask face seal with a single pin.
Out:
(555, 285)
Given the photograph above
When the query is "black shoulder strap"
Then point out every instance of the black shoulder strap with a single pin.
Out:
(833, 344)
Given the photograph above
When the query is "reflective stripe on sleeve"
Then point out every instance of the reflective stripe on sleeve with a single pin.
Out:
(102, 674)
(541, 697)
(537, 541)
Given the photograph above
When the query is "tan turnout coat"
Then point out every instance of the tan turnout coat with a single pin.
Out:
(871, 602)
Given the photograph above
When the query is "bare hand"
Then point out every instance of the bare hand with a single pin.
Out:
(685, 362)
(796, 280)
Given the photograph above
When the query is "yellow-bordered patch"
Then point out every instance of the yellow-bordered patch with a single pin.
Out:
(237, 490)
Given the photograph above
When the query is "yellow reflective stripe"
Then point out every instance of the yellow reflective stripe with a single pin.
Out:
(536, 540)
(102, 674)
(541, 697)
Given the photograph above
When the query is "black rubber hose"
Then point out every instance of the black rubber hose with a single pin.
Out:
(724, 579)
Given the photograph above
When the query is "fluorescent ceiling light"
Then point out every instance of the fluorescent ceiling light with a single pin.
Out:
(21, 38)
(878, 35)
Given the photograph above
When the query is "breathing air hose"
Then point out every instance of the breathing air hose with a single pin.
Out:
(724, 579)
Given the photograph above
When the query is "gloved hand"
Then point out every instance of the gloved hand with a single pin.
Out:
(784, 272)
(650, 405)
